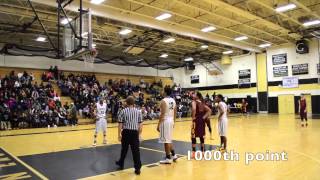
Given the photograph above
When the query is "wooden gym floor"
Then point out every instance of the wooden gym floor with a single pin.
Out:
(66, 153)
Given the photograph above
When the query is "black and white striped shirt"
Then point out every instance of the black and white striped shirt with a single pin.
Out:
(131, 118)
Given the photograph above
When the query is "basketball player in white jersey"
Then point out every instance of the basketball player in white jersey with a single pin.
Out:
(168, 111)
(101, 122)
(222, 122)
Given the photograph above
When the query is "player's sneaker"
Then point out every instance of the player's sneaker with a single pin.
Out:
(137, 171)
(222, 150)
(302, 125)
(166, 161)
(120, 166)
(104, 141)
(193, 154)
(174, 158)
(306, 124)
(94, 143)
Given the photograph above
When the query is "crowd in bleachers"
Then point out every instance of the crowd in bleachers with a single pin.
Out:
(85, 90)
(53, 73)
(27, 104)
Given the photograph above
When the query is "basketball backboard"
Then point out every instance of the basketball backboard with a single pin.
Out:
(77, 36)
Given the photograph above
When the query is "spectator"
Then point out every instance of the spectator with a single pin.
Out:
(73, 115)
(86, 112)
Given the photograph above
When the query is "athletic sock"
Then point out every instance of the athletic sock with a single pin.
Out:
(225, 143)
(202, 147)
(173, 153)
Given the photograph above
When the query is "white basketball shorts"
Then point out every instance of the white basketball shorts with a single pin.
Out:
(166, 131)
(222, 127)
(101, 125)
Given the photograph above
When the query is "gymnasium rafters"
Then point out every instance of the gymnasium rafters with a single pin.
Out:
(256, 19)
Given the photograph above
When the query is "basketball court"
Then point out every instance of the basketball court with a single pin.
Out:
(263, 56)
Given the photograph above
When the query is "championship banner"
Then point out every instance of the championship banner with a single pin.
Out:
(299, 69)
(195, 79)
(245, 74)
(280, 71)
(244, 78)
(279, 59)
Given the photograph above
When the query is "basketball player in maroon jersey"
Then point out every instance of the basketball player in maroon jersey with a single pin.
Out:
(200, 112)
(244, 105)
(303, 110)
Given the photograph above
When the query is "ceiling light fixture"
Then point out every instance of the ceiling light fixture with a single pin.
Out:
(125, 31)
(285, 8)
(97, 1)
(311, 23)
(241, 38)
(227, 52)
(163, 16)
(188, 59)
(208, 29)
(41, 39)
(65, 21)
(164, 55)
(168, 40)
(204, 46)
(264, 45)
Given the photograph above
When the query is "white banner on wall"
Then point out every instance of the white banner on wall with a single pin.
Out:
(290, 82)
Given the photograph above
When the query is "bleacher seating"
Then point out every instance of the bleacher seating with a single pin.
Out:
(101, 77)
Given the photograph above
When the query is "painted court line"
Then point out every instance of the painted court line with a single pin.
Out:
(156, 150)
(114, 173)
(87, 129)
(26, 165)
(72, 130)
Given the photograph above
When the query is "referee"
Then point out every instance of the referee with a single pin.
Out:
(130, 123)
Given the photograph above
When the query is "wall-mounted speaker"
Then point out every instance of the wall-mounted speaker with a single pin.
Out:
(302, 47)
(190, 66)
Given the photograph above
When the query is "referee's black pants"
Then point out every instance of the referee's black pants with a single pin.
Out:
(130, 137)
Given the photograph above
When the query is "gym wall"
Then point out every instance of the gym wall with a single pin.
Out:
(227, 83)
(308, 84)
(44, 63)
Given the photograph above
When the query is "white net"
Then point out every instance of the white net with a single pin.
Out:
(89, 58)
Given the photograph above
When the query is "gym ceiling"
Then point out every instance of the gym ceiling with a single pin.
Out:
(166, 31)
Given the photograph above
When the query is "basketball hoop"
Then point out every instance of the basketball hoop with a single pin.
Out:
(90, 56)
